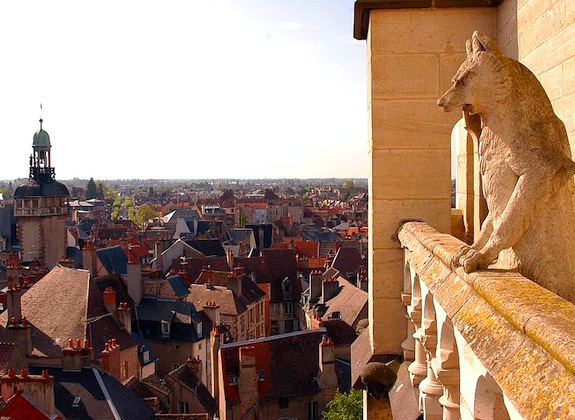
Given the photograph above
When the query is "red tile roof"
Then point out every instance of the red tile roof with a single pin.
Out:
(20, 407)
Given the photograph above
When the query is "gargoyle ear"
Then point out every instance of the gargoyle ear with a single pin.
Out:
(482, 42)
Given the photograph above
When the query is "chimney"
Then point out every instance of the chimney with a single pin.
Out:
(110, 301)
(89, 258)
(125, 317)
(111, 358)
(213, 382)
(76, 355)
(134, 279)
(327, 376)
(20, 333)
(13, 270)
(248, 378)
(315, 284)
(40, 388)
(14, 303)
(211, 309)
(230, 258)
(235, 283)
(329, 289)
(160, 246)
(195, 364)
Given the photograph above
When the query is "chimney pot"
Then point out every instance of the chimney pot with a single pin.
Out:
(86, 344)
(45, 374)
(14, 320)
(11, 372)
(24, 321)
(23, 373)
(70, 343)
(78, 344)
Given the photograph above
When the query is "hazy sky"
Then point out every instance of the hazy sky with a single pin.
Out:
(184, 89)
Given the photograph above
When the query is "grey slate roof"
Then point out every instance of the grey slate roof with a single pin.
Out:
(113, 259)
(100, 394)
(178, 286)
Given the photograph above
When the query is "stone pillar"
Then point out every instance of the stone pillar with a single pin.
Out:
(412, 54)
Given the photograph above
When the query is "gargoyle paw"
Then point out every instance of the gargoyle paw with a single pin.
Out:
(455, 259)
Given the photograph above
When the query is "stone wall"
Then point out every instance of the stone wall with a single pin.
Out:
(412, 55)
(541, 35)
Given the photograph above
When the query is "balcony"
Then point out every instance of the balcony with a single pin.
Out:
(489, 344)
(44, 211)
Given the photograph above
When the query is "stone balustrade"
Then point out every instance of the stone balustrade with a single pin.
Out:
(485, 345)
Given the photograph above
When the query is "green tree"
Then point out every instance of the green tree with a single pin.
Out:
(347, 406)
(350, 183)
(91, 189)
(145, 213)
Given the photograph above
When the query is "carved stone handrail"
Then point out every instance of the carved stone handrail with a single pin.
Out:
(522, 334)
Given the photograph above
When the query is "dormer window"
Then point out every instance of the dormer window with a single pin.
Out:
(165, 328)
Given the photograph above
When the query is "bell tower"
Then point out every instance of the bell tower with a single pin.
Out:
(41, 207)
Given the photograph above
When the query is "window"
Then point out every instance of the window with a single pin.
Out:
(288, 308)
(312, 410)
(183, 408)
(274, 308)
(261, 376)
(175, 347)
(233, 379)
(124, 370)
(283, 402)
(165, 328)
(175, 365)
(146, 356)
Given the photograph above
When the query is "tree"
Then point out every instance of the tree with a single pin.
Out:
(350, 183)
(91, 189)
(145, 213)
(347, 406)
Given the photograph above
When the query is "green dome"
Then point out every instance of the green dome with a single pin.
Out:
(41, 139)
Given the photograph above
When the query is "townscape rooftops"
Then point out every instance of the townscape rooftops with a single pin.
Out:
(56, 306)
(102, 396)
(289, 364)
(185, 376)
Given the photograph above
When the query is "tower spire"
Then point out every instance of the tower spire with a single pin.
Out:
(41, 120)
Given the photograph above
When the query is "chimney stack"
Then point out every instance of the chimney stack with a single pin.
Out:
(327, 376)
(76, 355)
(111, 358)
(125, 317)
(134, 279)
(89, 258)
(40, 388)
(213, 382)
(109, 296)
(20, 333)
(315, 284)
(248, 378)
(211, 309)
(234, 282)
(13, 269)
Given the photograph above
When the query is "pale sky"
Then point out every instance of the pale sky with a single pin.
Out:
(184, 89)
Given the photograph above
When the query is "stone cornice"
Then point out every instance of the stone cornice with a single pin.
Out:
(363, 7)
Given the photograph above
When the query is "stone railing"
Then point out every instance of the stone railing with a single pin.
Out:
(44, 211)
(490, 344)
